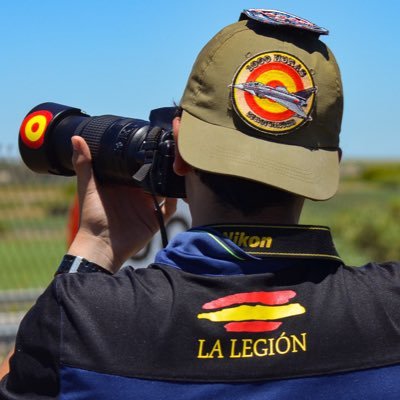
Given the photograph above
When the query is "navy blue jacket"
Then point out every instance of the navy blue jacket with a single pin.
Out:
(226, 312)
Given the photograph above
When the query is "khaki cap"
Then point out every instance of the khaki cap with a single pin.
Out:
(264, 102)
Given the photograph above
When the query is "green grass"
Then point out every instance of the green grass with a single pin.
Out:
(361, 216)
(29, 263)
(364, 218)
(33, 215)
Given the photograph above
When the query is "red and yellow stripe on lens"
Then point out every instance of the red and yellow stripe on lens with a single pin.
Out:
(33, 128)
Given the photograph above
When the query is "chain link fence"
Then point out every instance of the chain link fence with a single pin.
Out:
(35, 227)
(35, 215)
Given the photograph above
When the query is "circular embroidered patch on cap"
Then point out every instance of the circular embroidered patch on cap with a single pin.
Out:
(273, 92)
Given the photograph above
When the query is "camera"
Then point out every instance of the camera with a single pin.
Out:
(124, 150)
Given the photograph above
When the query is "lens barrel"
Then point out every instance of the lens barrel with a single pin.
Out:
(124, 150)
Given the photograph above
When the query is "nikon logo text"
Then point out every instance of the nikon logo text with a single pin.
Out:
(255, 242)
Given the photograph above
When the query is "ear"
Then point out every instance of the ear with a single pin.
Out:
(181, 167)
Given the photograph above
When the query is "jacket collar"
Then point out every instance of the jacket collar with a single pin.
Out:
(248, 249)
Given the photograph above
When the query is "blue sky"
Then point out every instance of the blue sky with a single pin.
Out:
(127, 57)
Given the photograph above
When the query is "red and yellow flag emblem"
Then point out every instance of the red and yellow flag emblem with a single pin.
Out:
(252, 311)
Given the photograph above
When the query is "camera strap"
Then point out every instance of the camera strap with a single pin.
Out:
(145, 172)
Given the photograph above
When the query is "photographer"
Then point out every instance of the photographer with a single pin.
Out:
(248, 304)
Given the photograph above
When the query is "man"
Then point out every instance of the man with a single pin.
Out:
(248, 304)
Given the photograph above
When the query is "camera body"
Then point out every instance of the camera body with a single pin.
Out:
(124, 150)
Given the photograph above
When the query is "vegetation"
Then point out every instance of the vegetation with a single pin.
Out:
(365, 221)
(364, 218)
(33, 220)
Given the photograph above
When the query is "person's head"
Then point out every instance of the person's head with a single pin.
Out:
(262, 112)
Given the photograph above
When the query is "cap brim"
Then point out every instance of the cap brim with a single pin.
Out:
(313, 174)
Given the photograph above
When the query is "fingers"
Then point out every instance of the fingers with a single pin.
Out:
(169, 207)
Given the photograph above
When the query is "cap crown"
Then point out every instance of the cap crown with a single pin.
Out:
(264, 102)
(208, 95)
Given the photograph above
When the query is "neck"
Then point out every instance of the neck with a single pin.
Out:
(207, 210)
(215, 214)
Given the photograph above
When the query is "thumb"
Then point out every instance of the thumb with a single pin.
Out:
(82, 163)
(81, 159)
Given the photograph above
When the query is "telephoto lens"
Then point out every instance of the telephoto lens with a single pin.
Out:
(124, 150)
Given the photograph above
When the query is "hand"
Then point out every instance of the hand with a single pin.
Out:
(116, 221)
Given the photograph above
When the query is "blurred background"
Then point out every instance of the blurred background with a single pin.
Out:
(127, 58)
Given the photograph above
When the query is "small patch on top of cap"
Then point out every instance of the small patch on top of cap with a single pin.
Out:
(274, 17)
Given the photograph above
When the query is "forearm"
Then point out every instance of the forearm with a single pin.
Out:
(116, 221)
(96, 250)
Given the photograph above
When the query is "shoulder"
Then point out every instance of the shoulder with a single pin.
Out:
(384, 273)
(376, 289)
(372, 280)
(104, 291)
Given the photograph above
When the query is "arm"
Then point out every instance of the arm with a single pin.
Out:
(116, 221)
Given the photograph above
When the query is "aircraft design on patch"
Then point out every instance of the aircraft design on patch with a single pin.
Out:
(292, 101)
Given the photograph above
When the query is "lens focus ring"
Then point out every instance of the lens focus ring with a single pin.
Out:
(93, 131)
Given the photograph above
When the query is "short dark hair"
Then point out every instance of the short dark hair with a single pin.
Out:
(244, 195)
(247, 196)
